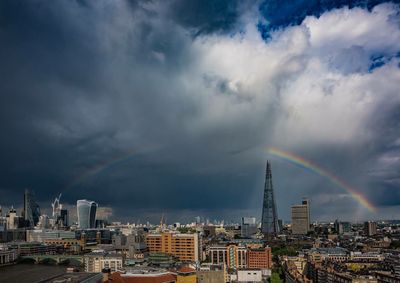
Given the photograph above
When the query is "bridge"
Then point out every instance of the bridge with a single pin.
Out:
(58, 259)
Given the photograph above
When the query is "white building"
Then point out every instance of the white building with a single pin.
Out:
(99, 259)
(249, 275)
(41, 235)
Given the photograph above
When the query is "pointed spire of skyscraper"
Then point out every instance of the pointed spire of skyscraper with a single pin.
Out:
(269, 224)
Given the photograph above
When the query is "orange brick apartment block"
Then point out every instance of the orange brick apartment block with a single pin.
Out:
(259, 258)
(184, 246)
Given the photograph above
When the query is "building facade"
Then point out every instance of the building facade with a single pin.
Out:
(7, 256)
(259, 258)
(96, 261)
(248, 227)
(184, 246)
(370, 228)
(301, 218)
(233, 256)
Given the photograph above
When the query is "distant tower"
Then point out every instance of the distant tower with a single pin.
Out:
(31, 209)
(269, 224)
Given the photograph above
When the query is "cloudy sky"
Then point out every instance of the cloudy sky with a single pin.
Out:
(170, 106)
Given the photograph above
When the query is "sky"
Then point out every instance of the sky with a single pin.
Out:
(171, 106)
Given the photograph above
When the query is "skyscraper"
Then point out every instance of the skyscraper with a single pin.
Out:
(31, 209)
(64, 217)
(86, 213)
(269, 224)
(301, 218)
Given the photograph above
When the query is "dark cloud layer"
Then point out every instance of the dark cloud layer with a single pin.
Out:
(154, 107)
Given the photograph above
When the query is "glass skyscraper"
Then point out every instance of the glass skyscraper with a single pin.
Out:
(269, 224)
(31, 209)
(86, 213)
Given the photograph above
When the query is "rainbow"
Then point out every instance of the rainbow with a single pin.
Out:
(308, 165)
(93, 171)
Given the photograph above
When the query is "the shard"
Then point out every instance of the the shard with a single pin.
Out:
(269, 224)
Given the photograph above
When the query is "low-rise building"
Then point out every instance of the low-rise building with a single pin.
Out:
(186, 275)
(209, 273)
(143, 277)
(7, 256)
(97, 260)
(42, 235)
(249, 275)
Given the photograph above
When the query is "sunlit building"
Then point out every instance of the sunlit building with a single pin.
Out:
(233, 256)
(259, 258)
(184, 246)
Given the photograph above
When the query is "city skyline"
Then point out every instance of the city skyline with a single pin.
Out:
(152, 107)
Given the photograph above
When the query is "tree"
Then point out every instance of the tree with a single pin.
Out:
(275, 278)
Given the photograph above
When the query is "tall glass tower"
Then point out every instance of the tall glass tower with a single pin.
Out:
(86, 213)
(31, 209)
(269, 224)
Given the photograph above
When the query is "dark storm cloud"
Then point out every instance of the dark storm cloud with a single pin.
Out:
(166, 106)
(207, 16)
(62, 88)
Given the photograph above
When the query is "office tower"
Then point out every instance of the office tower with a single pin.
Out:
(31, 209)
(301, 218)
(86, 213)
(64, 217)
(370, 228)
(269, 220)
(248, 227)
(183, 246)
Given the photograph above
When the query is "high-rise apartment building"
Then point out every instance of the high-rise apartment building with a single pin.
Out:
(301, 218)
(269, 219)
(184, 246)
(86, 213)
(31, 209)
(248, 227)
(370, 228)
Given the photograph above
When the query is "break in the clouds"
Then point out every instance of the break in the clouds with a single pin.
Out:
(154, 107)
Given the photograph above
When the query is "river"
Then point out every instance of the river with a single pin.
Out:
(28, 273)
